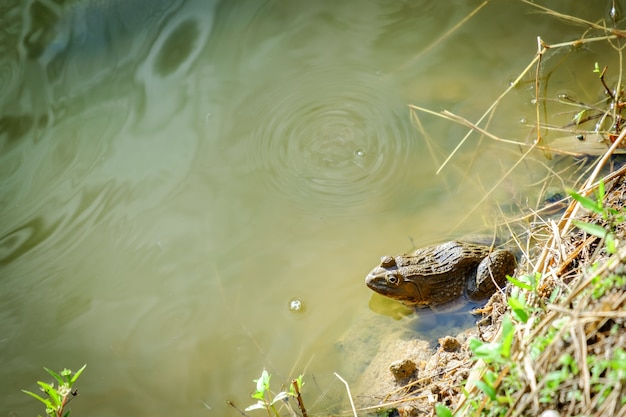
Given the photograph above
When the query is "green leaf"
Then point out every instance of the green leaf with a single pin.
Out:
(618, 362)
(586, 202)
(600, 193)
(508, 332)
(258, 395)
(520, 284)
(519, 308)
(611, 245)
(490, 377)
(52, 393)
(299, 382)
(55, 375)
(280, 396)
(442, 410)
(489, 390)
(487, 351)
(77, 374)
(592, 229)
(258, 406)
(578, 116)
(263, 383)
(475, 343)
(46, 402)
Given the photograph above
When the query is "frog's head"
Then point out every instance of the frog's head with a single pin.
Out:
(387, 279)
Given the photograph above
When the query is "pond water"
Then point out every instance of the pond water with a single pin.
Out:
(174, 173)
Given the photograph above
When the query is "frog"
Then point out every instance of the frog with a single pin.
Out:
(442, 274)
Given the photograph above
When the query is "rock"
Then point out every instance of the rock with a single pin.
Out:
(449, 344)
(403, 370)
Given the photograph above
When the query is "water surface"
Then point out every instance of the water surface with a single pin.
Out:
(173, 173)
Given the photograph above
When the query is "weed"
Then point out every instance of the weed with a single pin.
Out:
(442, 411)
(58, 397)
(518, 299)
(555, 356)
(267, 400)
(608, 214)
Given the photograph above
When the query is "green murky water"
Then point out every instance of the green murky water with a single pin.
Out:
(173, 173)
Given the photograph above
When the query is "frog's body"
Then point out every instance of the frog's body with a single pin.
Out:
(441, 274)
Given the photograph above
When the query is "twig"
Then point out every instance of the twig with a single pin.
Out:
(237, 408)
(616, 32)
(541, 49)
(349, 394)
(294, 382)
(571, 211)
(447, 34)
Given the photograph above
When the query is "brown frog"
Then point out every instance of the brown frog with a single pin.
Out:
(441, 274)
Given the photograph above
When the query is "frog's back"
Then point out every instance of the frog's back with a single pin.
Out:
(445, 258)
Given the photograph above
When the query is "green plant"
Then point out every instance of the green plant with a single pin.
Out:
(58, 397)
(517, 300)
(442, 410)
(495, 352)
(610, 215)
(600, 284)
(266, 400)
(497, 356)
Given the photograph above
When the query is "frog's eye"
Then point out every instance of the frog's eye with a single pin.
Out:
(387, 262)
(392, 279)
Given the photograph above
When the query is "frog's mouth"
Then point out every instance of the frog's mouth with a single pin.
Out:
(406, 292)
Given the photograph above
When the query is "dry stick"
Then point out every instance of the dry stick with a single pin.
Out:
(572, 209)
(605, 314)
(470, 386)
(447, 115)
(609, 265)
(349, 394)
(616, 32)
(541, 48)
(493, 105)
(461, 120)
(445, 35)
(236, 408)
(511, 86)
(577, 250)
(427, 138)
(294, 382)
(601, 163)
(523, 398)
(579, 343)
(425, 378)
(391, 404)
(511, 169)
(555, 312)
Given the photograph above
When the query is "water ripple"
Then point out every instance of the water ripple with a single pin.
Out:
(331, 138)
(8, 73)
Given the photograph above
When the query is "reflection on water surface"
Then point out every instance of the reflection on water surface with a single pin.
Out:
(174, 172)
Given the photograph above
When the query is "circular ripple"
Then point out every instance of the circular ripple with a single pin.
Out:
(332, 138)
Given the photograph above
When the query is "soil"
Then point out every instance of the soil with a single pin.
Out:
(407, 372)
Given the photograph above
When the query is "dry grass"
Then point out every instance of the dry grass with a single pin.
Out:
(580, 316)
(569, 356)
